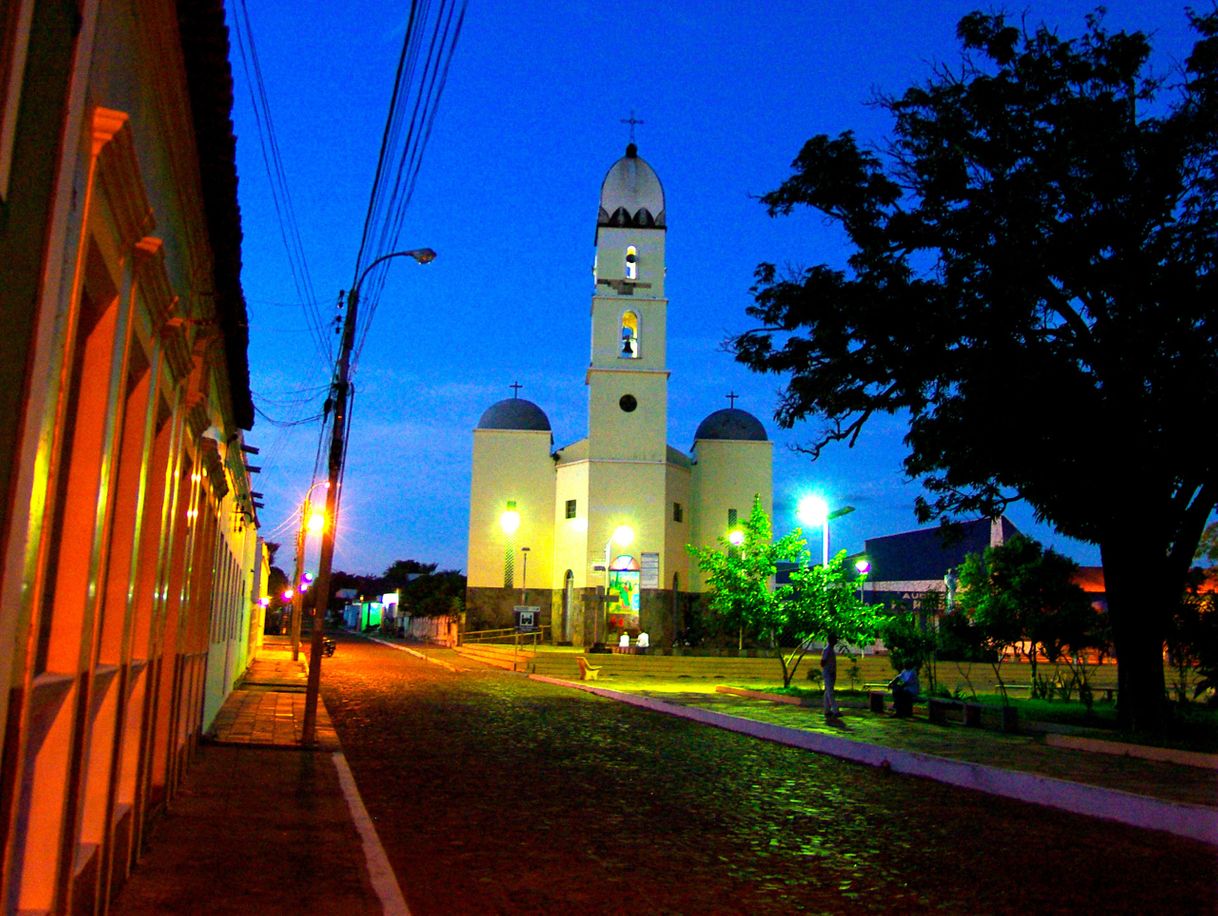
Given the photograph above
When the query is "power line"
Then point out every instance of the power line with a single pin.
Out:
(427, 52)
(281, 197)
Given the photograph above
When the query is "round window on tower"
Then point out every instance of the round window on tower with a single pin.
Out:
(628, 403)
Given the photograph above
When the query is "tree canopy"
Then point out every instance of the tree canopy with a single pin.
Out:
(1032, 284)
(1018, 594)
(819, 602)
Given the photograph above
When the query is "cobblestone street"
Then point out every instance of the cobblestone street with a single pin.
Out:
(495, 793)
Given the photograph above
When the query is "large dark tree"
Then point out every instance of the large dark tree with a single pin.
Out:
(1032, 283)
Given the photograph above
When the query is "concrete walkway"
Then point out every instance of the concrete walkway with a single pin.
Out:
(263, 824)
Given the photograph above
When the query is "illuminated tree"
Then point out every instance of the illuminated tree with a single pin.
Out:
(819, 601)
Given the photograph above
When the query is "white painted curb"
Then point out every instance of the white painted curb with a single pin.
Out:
(380, 872)
(1196, 822)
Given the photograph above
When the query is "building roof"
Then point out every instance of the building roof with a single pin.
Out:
(925, 555)
(731, 423)
(631, 194)
(210, 84)
(514, 413)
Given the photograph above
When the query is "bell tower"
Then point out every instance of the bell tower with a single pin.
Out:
(628, 376)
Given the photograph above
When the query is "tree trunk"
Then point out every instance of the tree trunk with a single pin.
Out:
(1140, 588)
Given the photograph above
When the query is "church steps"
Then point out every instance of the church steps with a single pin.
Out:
(506, 657)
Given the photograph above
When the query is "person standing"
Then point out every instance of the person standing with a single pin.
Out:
(828, 673)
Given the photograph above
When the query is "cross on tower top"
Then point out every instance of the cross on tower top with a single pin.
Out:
(731, 398)
(515, 386)
(632, 120)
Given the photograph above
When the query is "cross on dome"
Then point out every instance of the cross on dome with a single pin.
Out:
(632, 120)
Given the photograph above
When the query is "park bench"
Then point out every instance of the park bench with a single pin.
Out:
(588, 672)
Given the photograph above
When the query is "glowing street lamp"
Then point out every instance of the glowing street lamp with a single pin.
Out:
(862, 566)
(312, 521)
(814, 511)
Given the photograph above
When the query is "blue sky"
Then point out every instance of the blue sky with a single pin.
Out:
(529, 123)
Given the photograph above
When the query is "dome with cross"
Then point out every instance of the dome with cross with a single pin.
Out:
(731, 423)
(514, 413)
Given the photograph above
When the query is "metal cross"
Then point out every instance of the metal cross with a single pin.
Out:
(632, 120)
(515, 386)
(731, 398)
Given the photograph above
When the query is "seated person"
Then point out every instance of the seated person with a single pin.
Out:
(623, 641)
(904, 692)
(644, 641)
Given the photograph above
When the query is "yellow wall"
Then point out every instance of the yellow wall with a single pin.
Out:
(571, 535)
(726, 475)
(511, 465)
(638, 435)
(611, 244)
(607, 314)
(676, 558)
(625, 493)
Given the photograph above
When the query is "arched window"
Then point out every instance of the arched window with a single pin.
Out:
(630, 336)
(632, 263)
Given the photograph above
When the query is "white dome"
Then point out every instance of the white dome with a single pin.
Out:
(631, 194)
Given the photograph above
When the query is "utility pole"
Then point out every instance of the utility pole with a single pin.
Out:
(297, 591)
(342, 387)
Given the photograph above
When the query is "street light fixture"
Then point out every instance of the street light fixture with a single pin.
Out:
(863, 567)
(814, 511)
(342, 386)
(311, 522)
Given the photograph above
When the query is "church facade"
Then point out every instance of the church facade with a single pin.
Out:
(594, 534)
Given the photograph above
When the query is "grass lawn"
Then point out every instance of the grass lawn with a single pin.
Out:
(1193, 728)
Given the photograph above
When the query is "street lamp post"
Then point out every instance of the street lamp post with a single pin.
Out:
(813, 510)
(307, 524)
(342, 386)
(863, 567)
(524, 574)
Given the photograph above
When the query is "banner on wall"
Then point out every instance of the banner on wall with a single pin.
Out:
(623, 603)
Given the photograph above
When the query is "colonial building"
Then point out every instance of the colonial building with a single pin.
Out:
(129, 552)
(595, 533)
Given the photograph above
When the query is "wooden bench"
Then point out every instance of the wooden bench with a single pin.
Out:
(588, 672)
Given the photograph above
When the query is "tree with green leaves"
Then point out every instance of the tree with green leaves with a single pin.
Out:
(1032, 283)
(741, 570)
(1020, 596)
(817, 602)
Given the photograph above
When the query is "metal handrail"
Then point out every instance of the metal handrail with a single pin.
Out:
(511, 634)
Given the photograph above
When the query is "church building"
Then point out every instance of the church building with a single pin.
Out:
(594, 534)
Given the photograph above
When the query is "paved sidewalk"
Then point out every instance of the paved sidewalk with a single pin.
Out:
(267, 708)
(261, 823)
